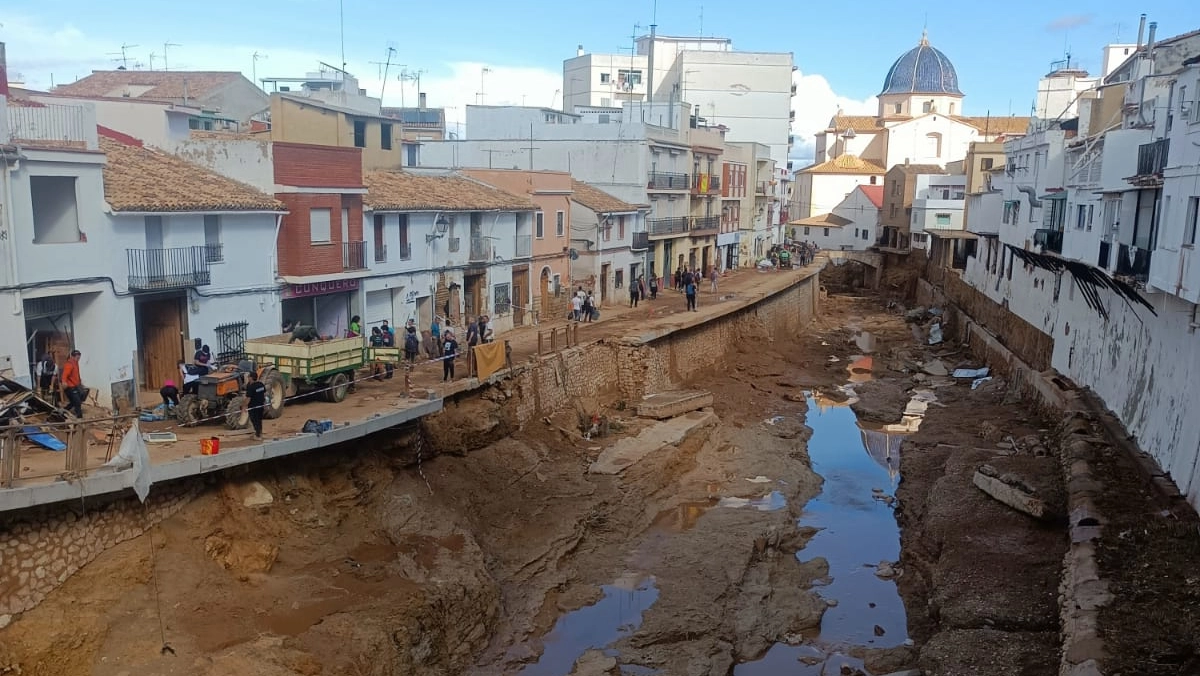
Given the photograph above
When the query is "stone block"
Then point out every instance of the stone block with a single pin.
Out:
(1011, 491)
(671, 404)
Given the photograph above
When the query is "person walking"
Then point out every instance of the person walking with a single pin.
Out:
(449, 354)
(256, 402)
(72, 384)
(411, 344)
(678, 279)
(653, 286)
(47, 371)
(576, 307)
(435, 332)
(588, 307)
(689, 289)
(635, 292)
(713, 276)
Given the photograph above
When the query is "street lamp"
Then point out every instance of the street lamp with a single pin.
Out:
(440, 226)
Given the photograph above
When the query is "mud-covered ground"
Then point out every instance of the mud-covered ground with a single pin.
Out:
(362, 564)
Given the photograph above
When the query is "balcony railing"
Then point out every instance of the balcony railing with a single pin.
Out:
(162, 269)
(64, 126)
(481, 250)
(454, 244)
(667, 226)
(380, 252)
(1152, 157)
(354, 255)
(700, 186)
(1133, 262)
(405, 251)
(641, 241)
(706, 225)
(524, 246)
(1049, 240)
(214, 253)
(760, 188)
(662, 180)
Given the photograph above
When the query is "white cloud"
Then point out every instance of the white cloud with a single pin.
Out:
(815, 103)
(41, 56)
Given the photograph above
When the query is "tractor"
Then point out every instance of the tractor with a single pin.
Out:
(221, 394)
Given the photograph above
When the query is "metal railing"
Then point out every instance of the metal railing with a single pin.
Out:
(665, 180)
(760, 188)
(714, 184)
(641, 241)
(667, 226)
(159, 269)
(214, 253)
(380, 252)
(1133, 262)
(1049, 240)
(481, 250)
(1152, 157)
(57, 124)
(405, 251)
(354, 255)
(524, 246)
(706, 224)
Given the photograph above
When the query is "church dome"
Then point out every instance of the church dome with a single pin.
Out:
(922, 70)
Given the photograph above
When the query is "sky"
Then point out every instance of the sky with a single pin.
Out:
(841, 56)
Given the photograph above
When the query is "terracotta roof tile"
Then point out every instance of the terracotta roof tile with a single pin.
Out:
(163, 84)
(406, 191)
(919, 169)
(998, 125)
(823, 221)
(873, 193)
(845, 164)
(597, 200)
(137, 178)
(859, 123)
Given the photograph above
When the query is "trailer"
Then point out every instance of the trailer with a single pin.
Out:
(325, 365)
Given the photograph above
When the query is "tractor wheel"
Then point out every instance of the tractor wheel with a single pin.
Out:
(336, 388)
(276, 393)
(188, 410)
(236, 417)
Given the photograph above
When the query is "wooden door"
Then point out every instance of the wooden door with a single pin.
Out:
(545, 285)
(161, 341)
(519, 297)
(603, 284)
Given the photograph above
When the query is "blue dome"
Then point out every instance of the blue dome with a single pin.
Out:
(922, 70)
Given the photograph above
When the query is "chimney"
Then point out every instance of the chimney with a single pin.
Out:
(579, 50)
(1141, 30)
(421, 100)
(1150, 38)
(3, 72)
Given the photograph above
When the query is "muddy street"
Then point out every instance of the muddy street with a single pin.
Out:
(807, 510)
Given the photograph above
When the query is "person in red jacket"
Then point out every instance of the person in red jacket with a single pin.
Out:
(72, 384)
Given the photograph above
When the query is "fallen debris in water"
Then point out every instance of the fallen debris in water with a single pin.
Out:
(1012, 491)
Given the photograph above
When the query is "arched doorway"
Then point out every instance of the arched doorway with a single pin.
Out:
(547, 296)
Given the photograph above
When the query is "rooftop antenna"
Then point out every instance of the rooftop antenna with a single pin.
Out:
(410, 76)
(125, 47)
(701, 22)
(166, 47)
(482, 88)
(342, 30)
(152, 55)
(254, 59)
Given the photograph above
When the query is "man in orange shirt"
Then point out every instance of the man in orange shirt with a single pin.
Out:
(72, 385)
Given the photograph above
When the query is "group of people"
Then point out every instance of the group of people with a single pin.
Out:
(800, 253)
(686, 280)
(57, 384)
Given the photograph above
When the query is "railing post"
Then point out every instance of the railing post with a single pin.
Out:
(540, 343)
(10, 458)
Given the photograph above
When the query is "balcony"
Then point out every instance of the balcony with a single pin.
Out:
(405, 251)
(68, 127)
(760, 188)
(706, 225)
(662, 180)
(706, 184)
(524, 246)
(165, 269)
(641, 241)
(380, 252)
(354, 255)
(1152, 158)
(1050, 240)
(214, 253)
(481, 250)
(1133, 262)
(672, 225)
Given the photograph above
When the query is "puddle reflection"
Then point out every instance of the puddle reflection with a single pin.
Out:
(613, 617)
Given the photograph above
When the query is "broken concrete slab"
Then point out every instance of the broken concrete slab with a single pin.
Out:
(630, 450)
(255, 494)
(935, 367)
(1012, 491)
(671, 404)
(596, 663)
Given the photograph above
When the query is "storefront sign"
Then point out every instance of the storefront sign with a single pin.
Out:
(727, 238)
(321, 288)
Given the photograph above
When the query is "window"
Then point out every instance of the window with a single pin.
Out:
(410, 154)
(985, 163)
(385, 136)
(895, 188)
(345, 224)
(893, 212)
(360, 134)
(318, 226)
(559, 224)
(933, 144)
(605, 78)
(942, 219)
(619, 279)
(927, 107)
(620, 227)
(873, 179)
(1012, 212)
(1189, 225)
(806, 230)
(898, 108)
(629, 78)
(501, 300)
(865, 234)
(539, 225)
(55, 210)
(826, 231)
(1081, 217)
(405, 247)
(212, 239)
(951, 107)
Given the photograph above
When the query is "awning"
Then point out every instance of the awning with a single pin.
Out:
(952, 234)
(1055, 196)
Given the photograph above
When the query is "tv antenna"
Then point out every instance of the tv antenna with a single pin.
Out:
(386, 66)
(152, 55)
(254, 59)
(410, 76)
(167, 47)
(124, 54)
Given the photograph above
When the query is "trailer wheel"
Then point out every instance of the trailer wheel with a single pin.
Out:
(236, 417)
(276, 393)
(188, 410)
(336, 388)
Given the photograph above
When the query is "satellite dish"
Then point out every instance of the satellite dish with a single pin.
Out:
(573, 254)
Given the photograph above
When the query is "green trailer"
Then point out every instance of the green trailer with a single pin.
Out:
(327, 365)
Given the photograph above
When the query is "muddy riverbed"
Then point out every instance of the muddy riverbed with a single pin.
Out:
(819, 518)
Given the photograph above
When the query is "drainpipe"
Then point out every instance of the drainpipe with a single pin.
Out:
(650, 68)
(275, 248)
(10, 223)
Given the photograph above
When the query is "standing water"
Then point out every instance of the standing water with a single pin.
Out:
(857, 531)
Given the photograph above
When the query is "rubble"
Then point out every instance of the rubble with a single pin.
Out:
(1012, 491)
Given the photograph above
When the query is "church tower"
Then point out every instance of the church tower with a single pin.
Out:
(920, 82)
